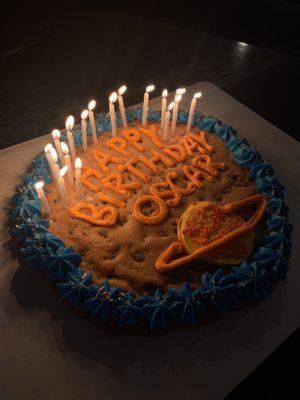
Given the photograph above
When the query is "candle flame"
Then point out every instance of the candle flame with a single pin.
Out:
(150, 88)
(92, 105)
(55, 134)
(165, 93)
(78, 163)
(180, 90)
(122, 90)
(170, 106)
(53, 154)
(84, 114)
(70, 122)
(178, 98)
(113, 97)
(39, 185)
(63, 171)
(48, 147)
(64, 147)
(197, 95)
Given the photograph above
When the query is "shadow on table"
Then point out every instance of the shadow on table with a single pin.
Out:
(119, 348)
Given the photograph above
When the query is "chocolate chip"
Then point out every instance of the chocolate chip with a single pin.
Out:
(103, 234)
(162, 234)
(138, 256)
(110, 256)
(122, 220)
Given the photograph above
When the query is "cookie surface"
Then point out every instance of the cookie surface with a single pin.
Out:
(125, 254)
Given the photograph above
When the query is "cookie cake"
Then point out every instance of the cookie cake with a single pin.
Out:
(153, 216)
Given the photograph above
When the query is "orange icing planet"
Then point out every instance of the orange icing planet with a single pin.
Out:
(205, 222)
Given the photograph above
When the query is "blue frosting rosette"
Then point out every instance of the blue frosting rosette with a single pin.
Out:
(253, 279)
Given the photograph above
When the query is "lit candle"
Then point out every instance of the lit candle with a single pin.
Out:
(180, 91)
(91, 106)
(121, 91)
(84, 116)
(62, 186)
(177, 99)
(69, 126)
(167, 121)
(47, 150)
(45, 207)
(56, 137)
(192, 110)
(77, 176)
(65, 150)
(149, 89)
(163, 108)
(112, 98)
(55, 166)
(49, 157)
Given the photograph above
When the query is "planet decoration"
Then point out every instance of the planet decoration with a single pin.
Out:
(205, 222)
(205, 229)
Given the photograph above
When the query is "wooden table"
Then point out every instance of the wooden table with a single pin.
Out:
(49, 351)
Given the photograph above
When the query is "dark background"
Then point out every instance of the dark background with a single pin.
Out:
(56, 55)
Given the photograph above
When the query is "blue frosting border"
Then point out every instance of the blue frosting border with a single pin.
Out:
(252, 279)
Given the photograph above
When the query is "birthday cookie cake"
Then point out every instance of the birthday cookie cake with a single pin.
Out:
(153, 223)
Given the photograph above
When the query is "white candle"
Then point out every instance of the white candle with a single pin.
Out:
(55, 165)
(49, 157)
(121, 91)
(69, 126)
(149, 89)
(112, 99)
(192, 110)
(62, 186)
(177, 99)
(163, 108)
(56, 137)
(77, 176)
(67, 157)
(45, 207)
(91, 106)
(84, 116)
(167, 121)
(47, 150)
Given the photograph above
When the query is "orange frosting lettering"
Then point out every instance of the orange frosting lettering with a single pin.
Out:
(152, 134)
(150, 164)
(87, 173)
(119, 145)
(103, 159)
(160, 157)
(176, 151)
(204, 162)
(171, 176)
(174, 194)
(130, 166)
(193, 175)
(105, 216)
(112, 200)
(133, 136)
(191, 145)
(164, 193)
(203, 142)
(153, 219)
(115, 182)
